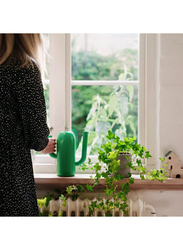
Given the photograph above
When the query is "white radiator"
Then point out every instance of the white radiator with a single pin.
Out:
(80, 208)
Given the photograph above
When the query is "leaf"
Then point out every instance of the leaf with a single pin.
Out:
(139, 162)
(74, 197)
(122, 196)
(131, 180)
(42, 202)
(142, 177)
(131, 124)
(89, 188)
(92, 111)
(97, 167)
(84, 167)
(162, 159)
(147, 155)
(62, 197)
(129, 174)
(121, 77)
(125, 187)
(110, 135)
(125, 70)
(112, 104)
(69, 189)
(89, 161)
(103, 115)
(129, 164)
(49, 198)
(112, 155)
(130, 89)
(108, 192)
(123, 206)
(102, 126)
(64, 203)
(123, 101)
(92, 135)
(114, 166)
(118, 177)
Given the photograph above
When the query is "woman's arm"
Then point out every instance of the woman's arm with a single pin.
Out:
(29, 94)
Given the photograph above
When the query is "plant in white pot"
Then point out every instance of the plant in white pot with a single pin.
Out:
(123, 156)
(120, 157)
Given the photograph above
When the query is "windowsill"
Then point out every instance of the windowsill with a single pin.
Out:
(52, 181)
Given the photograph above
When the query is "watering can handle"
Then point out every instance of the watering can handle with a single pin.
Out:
(53, 155)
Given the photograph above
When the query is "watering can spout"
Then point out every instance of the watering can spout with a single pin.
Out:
(84, 149)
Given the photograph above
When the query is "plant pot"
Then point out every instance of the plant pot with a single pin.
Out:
(123, 163)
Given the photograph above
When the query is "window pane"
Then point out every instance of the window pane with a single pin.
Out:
(46, 97)
(46, 75)
(47, 48)
(104, 56)
(99, 108)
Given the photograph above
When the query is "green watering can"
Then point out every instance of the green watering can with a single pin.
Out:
(66, 148)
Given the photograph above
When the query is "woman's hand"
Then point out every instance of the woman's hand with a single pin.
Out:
(50, 148)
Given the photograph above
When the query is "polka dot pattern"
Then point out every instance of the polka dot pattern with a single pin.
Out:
(22, 127)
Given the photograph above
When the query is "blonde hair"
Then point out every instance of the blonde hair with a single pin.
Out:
(24, 47)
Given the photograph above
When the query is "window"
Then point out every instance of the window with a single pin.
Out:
(95, 83)
(104, 71)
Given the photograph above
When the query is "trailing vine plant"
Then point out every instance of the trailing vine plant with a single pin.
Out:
(107, 156)
(106, 168)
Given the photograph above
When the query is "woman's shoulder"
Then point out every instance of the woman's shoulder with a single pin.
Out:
(23, 74)
(17, 65)
(29, 70)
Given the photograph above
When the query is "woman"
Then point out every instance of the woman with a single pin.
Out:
(22, 122)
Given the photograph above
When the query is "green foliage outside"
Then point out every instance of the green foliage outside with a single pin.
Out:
(99, 108)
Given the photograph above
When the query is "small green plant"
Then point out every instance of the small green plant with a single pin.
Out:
(58, 194)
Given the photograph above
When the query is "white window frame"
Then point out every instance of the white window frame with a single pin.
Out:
(60, 95)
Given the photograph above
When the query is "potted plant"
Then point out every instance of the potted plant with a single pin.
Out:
(119, 157)
(116, 158)
(123, 155)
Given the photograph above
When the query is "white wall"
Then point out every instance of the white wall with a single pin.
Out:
(165, 203)
(171, 94)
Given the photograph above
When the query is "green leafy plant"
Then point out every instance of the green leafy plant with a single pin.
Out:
(116, 191)
(107, 155)
(116, 113)
(58, 194)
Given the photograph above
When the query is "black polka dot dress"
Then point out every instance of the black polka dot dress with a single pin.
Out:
(22, 127)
